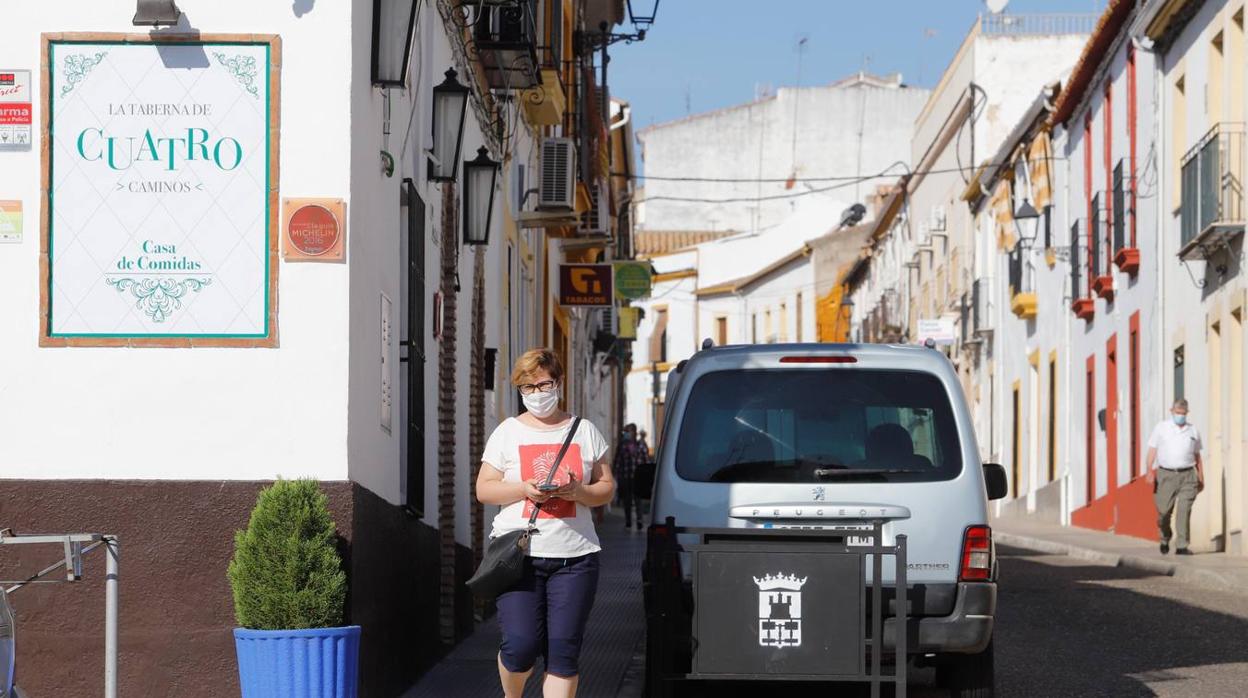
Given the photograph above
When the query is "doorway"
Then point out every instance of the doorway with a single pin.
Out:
(1089, 428)
(1215, 475)
(1111, 414)
(412, 220)
(1016, 437)
(1236, 489)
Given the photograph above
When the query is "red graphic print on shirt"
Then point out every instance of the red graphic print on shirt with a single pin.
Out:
(536, 461)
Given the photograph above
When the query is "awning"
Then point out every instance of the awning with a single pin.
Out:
(1039, 156)
(1003, 214)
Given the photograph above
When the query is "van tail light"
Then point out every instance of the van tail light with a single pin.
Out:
(977, 555)
(842, 359)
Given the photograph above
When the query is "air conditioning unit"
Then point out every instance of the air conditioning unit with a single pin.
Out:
(596, 221)
(936, 222)
(558, 186)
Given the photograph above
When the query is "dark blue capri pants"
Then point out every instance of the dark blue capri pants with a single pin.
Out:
(545, 614)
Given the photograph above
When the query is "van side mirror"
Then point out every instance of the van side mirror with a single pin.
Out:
(995, 482)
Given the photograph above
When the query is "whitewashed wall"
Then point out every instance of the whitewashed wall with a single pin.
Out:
(190, 413)
(677, 296)
(1139, 294)
(762, 139)
(1189, 310)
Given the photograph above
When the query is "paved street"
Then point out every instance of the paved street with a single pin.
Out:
(615, 634)
(1072, 627)
(1066, 627)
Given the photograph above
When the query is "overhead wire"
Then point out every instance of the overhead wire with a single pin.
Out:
(844, 179)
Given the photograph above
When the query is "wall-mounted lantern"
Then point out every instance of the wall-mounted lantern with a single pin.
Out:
(156, 13)
(1026, 211)
(643, 15)
(450, 100)
(394, 28)
(480, 175)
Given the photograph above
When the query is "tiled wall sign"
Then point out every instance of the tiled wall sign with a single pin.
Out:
(160, 180)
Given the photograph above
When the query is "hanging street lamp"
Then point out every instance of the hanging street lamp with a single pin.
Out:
(480, 176)
(450, 101)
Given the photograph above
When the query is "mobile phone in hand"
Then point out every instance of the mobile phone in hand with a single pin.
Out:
(547, 487)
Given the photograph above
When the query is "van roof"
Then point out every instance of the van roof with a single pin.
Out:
(821, 348)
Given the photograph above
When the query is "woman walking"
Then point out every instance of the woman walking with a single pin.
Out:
(546, 612)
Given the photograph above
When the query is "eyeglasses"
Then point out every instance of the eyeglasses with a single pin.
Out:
(543, 387)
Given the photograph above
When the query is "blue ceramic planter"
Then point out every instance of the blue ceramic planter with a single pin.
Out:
(316, 663)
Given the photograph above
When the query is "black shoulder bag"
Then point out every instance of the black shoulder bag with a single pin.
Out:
(503, 562)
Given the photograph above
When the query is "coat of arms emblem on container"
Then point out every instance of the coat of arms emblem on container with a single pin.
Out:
(780, 610)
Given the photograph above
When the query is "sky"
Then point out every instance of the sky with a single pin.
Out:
(706, 54)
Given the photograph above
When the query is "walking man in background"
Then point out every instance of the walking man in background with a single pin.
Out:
(628, 456)
(1174, 448)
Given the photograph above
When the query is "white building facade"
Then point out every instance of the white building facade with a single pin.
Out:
(1200, 103)
(378, 373)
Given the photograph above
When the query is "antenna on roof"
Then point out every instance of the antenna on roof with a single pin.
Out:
(996, 7)
(707, 343)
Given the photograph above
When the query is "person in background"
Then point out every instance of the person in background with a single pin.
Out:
(628, 455)
(1174, 448)
(645, 447)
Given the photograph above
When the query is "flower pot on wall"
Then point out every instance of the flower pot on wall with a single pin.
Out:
(313, 663)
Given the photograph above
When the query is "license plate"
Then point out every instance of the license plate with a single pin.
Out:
(858, 541)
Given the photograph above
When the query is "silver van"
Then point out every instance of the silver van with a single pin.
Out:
(829, 441)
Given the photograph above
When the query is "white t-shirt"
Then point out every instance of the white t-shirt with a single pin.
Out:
(520, 452)
(1176, 445)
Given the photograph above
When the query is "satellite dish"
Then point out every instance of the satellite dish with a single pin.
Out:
(996, 7)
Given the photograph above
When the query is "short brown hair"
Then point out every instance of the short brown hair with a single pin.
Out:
(535, 360)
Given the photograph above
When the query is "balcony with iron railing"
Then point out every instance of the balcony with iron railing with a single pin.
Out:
(1122, 220)
(504, 39)
(1036, 24)
(979, 305)
(1081, 301)
(1023, 300)
(1212, 188)
(1099, 254)
(546, 103)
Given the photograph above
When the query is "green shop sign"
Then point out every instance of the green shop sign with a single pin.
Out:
(632, 280)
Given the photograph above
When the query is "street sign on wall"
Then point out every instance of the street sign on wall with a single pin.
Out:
(10, 221)
(629, 317)
(161, 189)
(632, 280)
(585, 285)
(939, 330)
(15, 109)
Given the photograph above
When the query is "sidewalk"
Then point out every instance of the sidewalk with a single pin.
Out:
(615, 632)
(1211, 570)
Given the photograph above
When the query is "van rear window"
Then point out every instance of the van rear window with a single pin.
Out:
(826, 426)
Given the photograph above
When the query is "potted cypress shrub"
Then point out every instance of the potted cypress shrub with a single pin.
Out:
(289, 593)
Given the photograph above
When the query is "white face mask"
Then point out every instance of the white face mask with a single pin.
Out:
(542, 404)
